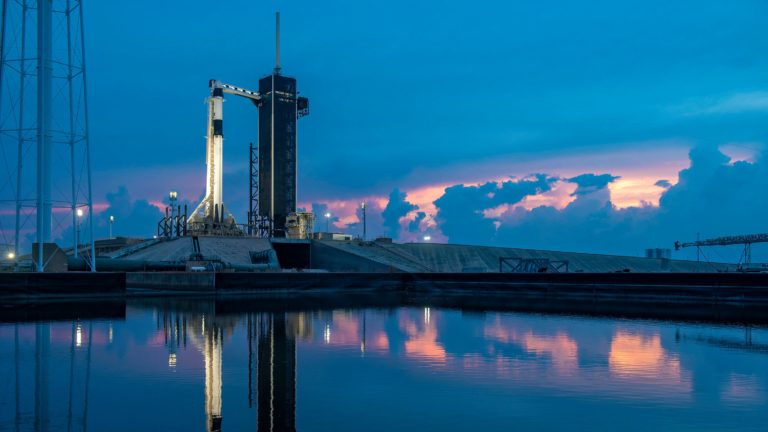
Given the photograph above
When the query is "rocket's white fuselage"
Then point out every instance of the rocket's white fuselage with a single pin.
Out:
(215, 161)
(211, 208)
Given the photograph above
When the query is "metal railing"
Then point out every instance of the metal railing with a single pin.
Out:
(531, 265)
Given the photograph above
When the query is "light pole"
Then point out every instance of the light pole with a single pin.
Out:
(11, 258)
(111, 221)
(79, 213)
(327, 222)
(172, 196)
(362, 206)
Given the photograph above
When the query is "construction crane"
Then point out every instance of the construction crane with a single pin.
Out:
(745, 240)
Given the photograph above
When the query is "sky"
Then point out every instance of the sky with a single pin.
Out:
(601, 126)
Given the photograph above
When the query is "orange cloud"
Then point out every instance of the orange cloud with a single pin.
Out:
(562, 349)
(639, 168)
(642, 358)
(422, 340)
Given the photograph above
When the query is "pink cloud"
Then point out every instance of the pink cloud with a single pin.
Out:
(639, 169)
(741, 151)
(346, 210)
(639, 166)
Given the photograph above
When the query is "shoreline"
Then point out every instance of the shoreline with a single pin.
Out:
(721, 297)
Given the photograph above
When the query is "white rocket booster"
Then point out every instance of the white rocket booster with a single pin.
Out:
(211, 209)
(215, 147)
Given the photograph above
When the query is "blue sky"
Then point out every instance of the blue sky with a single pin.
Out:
(398, 86)
(429, 94)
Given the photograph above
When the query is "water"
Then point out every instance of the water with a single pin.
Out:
(196, 365)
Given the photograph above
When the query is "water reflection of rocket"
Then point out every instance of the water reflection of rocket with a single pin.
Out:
(212, 354)
(207, 333)
(275, 341)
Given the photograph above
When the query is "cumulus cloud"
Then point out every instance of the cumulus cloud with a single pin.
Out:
(323, 223)
(415, 224)
(588, 183)
(460, 210)
(374, 222)
(590, 223)
(397, 208)
(133, 218)
(713, 197)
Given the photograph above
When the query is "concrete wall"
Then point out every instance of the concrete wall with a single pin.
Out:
(172, 281)
(64, 309)
(450, 258)
(327, 257)
(719, 296)
(74, 284)
(347, 283)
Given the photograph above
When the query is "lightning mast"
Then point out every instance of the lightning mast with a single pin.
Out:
(46, 194)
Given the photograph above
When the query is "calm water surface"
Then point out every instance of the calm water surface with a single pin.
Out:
(190, 367)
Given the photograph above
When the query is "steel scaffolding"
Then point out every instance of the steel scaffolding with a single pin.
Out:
(44, 141)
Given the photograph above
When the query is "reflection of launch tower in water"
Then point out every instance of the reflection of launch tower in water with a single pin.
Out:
(276, 373)
(272, 361)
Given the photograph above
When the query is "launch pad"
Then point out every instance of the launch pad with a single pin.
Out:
(273, 162)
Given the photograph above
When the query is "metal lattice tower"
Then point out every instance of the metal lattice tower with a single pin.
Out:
(45, 183)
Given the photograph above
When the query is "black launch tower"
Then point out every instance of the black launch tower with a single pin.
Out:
(279, 109)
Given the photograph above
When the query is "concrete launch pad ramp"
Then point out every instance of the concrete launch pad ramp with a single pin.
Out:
(354, 256)
(457, 258)
(359, 256)
(440, 258)
(234, 250)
